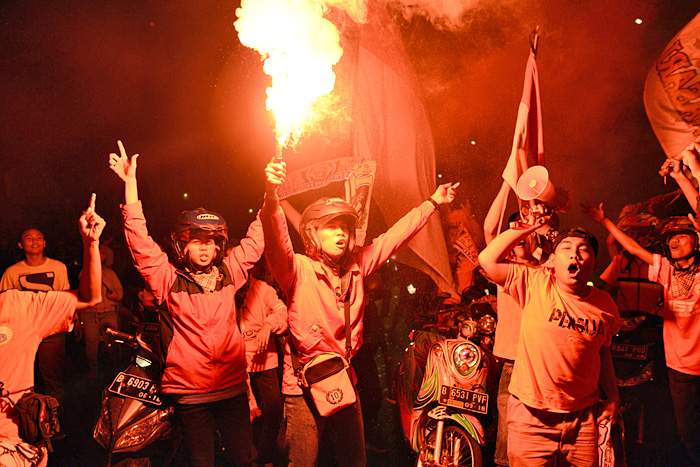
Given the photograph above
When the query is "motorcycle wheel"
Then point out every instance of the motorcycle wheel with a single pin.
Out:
(459, 449)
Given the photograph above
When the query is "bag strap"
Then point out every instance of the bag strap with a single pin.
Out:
(5, 394)
(345, 281)
(348, 336)
(296, 365)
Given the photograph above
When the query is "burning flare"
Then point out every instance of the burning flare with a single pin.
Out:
(299, 48)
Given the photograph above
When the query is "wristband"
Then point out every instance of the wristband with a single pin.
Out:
(434, 203)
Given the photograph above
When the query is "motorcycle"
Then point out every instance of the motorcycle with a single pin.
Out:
(637, 349)
(137, 426)
(442, 388)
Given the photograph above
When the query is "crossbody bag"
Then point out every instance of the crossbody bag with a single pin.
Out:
(326, 376)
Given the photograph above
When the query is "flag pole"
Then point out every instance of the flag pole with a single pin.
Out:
(535, 39)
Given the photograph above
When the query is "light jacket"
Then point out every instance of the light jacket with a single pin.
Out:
(261, 306)
(316, 314)
(206, 353)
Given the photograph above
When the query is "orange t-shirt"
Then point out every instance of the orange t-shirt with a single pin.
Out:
(558, 364)
(505, 343)
(25, 319)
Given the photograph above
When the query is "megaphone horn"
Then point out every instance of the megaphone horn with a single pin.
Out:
(534, 183)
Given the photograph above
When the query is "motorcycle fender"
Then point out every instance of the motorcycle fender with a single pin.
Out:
(470, 423)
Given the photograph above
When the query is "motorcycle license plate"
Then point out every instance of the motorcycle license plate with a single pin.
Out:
(135, 387)
(464, 399)
(629, 351)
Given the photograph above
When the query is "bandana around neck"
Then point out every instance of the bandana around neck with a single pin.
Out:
(206, 280)
(682, 280)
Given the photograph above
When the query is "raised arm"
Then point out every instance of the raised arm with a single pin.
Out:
(279, 252)
(495, 214)
(91, 226)
(691, 158)
(151, 262)
(125, 168)
(292, 214)
(403, 230)
(627, 242)
(674, 169)
(493, 258)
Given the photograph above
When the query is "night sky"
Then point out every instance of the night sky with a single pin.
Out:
(171, 80)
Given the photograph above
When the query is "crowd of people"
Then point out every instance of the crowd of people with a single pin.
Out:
(245, 326)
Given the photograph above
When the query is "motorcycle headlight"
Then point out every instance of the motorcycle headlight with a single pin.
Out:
(486, 325)
(466, 358)
(142, 362)
(140, 432)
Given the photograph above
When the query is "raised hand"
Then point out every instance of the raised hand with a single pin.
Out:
(276, 172)
(445, 193)
(124, 167)
(694, 221)
(691, 156)
(275, 175)
(597, 214)
(671, 167)
(90, 223)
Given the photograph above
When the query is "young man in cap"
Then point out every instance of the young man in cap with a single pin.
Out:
(563, 352)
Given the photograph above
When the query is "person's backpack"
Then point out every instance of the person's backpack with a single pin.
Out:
(38, 419)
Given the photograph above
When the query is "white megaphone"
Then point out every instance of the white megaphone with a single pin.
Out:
(534, 183)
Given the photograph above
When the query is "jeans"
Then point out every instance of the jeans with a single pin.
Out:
(266, 389)
(685, 392)
(370, 392)
(305, 426)
(539, 438)
(94, 325)
(51, 362)
(231, 417)
(501, 455)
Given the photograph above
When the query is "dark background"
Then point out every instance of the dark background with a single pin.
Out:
(171, 80)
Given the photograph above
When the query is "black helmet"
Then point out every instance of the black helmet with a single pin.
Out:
(317, 214)
(675, 226)
(199, 221)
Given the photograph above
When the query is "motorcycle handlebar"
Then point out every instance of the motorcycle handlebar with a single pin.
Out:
(120, 335)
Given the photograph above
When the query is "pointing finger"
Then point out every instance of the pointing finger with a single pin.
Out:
(121, 148)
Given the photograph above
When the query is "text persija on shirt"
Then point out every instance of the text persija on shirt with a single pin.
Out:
(557, 364)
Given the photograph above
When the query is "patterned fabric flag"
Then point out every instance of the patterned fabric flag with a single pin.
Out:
(672, 91)
(391, 156)
(392, 128)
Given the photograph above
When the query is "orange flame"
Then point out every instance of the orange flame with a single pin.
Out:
(299, 48)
